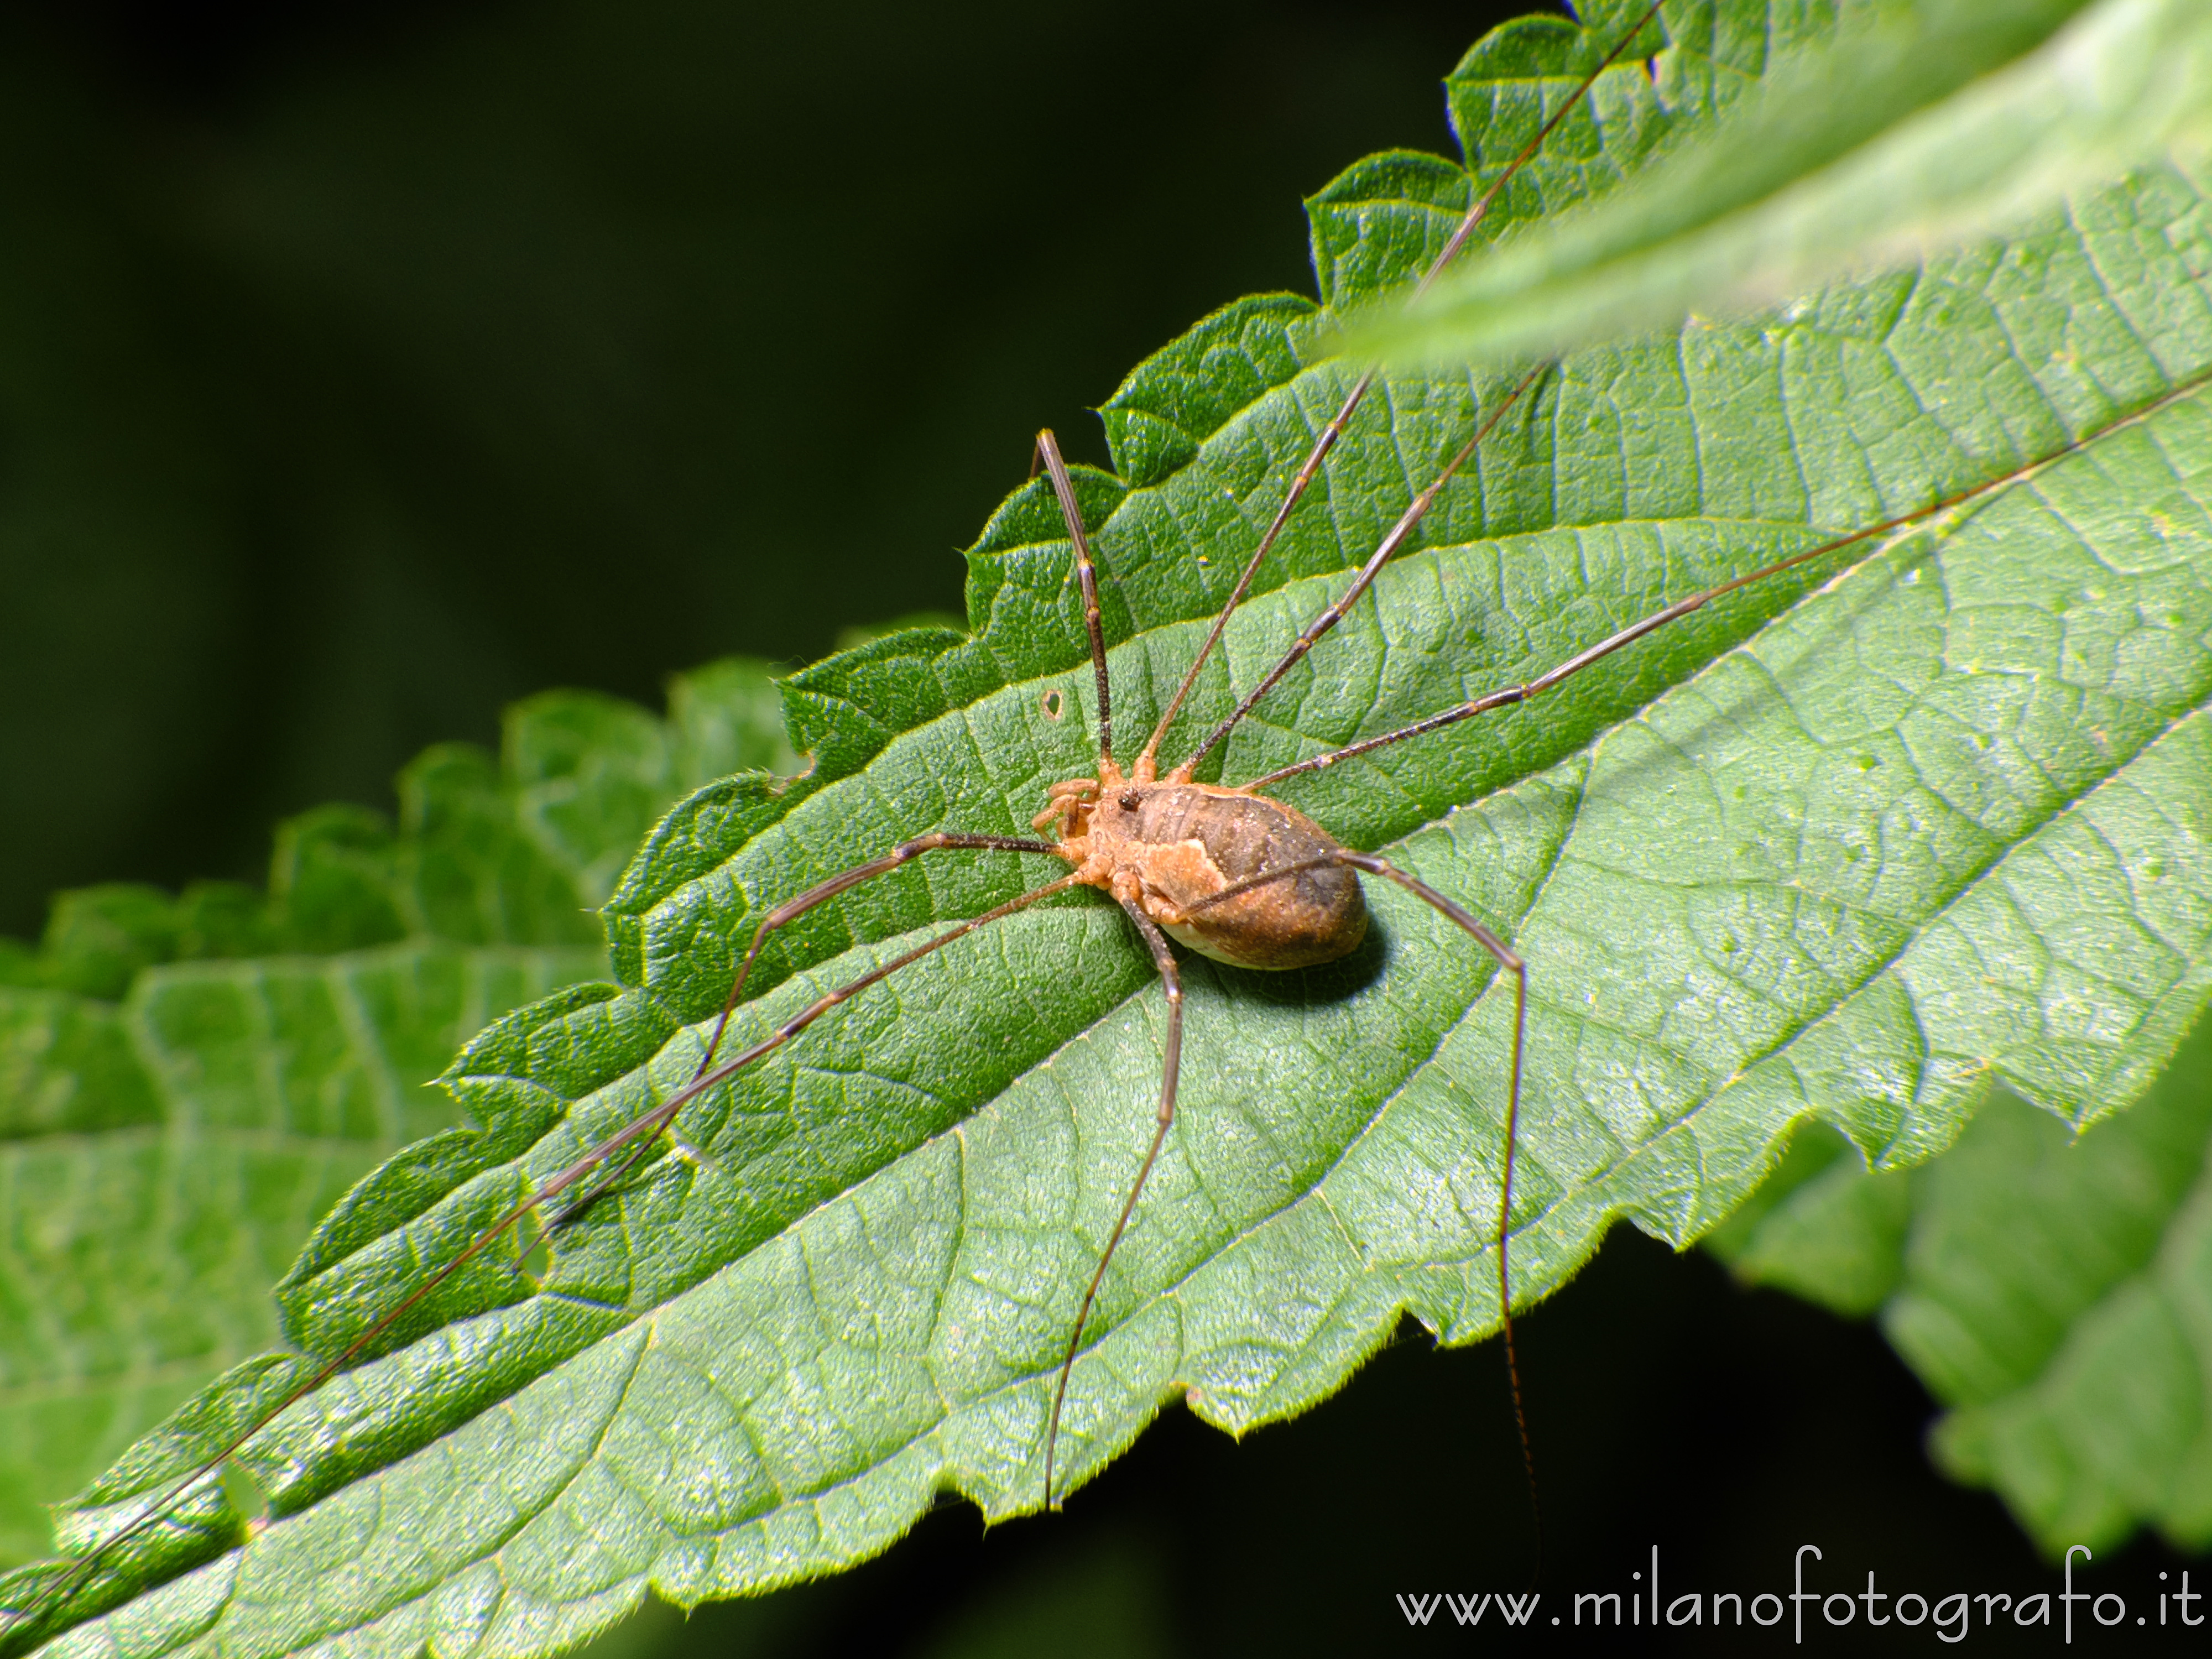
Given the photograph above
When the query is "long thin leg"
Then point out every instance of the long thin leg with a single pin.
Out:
(843, 882)
(643, 1129)
(649, 1125)
(785, 913)
(1086, 575)
(1381, 554)
(1310, 468)
(1512, 962)
(1170, 1070)
(1505, 696)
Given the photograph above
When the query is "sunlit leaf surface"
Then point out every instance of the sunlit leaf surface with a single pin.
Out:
(1851, 849)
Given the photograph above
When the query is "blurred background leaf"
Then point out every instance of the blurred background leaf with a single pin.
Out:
(187, 1084)
(2056, 1294)
(1965, 118)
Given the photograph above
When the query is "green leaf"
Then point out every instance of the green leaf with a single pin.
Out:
(2052, 1290)
(191, 1137)
(188, 1085)
(1849, 848)
(1962, 117)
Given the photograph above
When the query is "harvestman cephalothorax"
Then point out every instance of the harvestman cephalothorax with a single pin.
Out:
(1222, 869)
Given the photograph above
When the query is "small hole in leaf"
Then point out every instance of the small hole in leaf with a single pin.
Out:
(536, 1257)
(244, 1493)
(1052, 705)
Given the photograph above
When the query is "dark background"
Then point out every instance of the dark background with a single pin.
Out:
(362, 369)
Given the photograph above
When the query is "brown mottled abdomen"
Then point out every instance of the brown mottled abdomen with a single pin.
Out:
(1187, 841)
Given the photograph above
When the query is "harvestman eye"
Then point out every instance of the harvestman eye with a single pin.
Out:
(1221, 869)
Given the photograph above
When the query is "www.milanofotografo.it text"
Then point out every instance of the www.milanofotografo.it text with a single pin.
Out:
(1801, 1612)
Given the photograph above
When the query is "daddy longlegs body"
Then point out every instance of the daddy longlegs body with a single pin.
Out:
(1222, 869)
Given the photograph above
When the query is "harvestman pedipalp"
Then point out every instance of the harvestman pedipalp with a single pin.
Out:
(1222, 869)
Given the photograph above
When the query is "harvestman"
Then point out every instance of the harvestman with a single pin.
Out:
(1222, 869)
